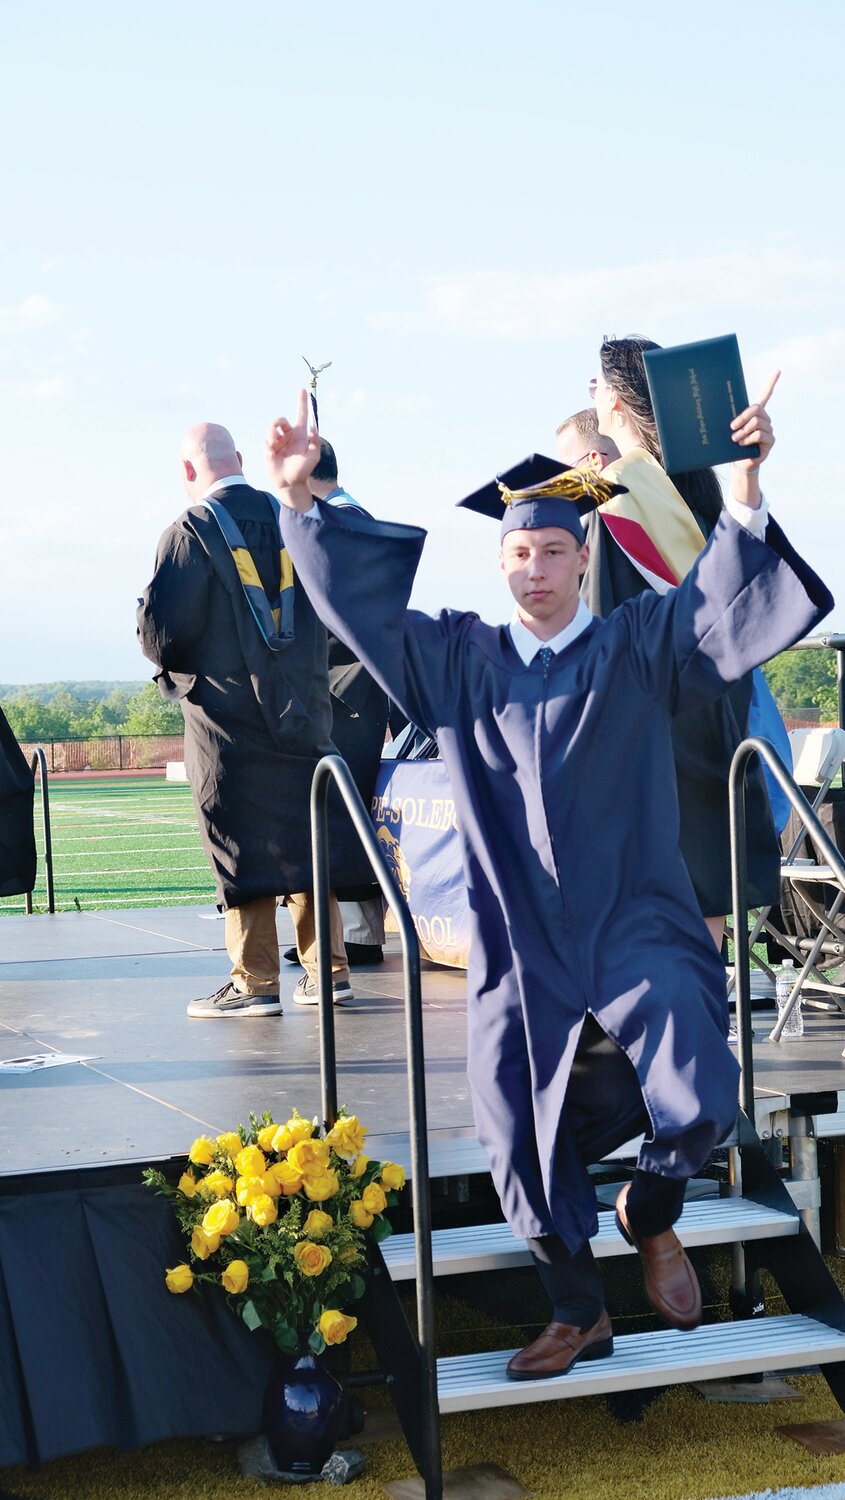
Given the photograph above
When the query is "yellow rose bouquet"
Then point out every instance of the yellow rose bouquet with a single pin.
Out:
(280, 1216)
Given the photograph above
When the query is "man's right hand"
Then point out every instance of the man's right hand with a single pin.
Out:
(292, 452)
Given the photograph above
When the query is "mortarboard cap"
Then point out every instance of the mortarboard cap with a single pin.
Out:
(541, 491)
(532, 470)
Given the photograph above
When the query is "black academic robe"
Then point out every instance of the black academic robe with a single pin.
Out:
(563, 783)
(17, 836)
(256, 721)
(704, 743)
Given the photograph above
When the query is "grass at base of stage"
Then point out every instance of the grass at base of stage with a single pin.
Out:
(119, 842)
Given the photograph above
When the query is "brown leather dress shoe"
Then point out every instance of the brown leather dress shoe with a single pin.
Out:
(671, 1284)
(558, 1348)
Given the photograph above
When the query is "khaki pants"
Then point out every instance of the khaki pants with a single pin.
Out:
(301, 908)
(253, 947)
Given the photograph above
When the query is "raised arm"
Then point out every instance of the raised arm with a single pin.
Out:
(358, 574)
(293, 452)
(748, 597)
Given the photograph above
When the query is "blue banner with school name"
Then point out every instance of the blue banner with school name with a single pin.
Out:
(413, 813)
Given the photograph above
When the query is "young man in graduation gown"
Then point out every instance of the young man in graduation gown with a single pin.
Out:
(235, 639)
(589, 962)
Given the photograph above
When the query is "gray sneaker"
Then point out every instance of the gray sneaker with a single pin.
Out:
(230, 1002)
(306, 992)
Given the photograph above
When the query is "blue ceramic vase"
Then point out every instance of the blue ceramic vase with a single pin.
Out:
(302, 1413)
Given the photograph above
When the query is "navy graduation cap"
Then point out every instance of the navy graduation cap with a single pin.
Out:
(541, 491)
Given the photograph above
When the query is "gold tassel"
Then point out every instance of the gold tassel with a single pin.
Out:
(573, 484)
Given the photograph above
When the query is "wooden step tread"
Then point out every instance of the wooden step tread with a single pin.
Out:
(641, 1360)
(490, 1247)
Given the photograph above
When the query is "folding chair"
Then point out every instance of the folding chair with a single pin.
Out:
(817, 755)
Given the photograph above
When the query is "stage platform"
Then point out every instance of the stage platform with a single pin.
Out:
(73, 1140)
(114, 987)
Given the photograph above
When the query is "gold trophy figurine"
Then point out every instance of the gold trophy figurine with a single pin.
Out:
(316, 370)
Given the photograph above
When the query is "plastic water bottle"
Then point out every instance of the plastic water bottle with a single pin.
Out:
(783, 990)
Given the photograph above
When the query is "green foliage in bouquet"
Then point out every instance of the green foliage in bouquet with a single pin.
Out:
(280, 1215)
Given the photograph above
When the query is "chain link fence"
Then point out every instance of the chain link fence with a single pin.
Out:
(115, 752)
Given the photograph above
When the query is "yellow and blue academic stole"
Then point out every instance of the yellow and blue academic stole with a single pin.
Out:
(275, 621)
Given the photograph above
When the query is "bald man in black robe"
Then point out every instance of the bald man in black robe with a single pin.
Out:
(236, 641)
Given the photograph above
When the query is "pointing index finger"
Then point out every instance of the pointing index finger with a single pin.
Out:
(766, 394)
(302, 409)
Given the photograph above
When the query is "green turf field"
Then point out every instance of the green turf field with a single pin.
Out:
(120, 842)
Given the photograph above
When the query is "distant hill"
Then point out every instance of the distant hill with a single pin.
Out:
(44, 692)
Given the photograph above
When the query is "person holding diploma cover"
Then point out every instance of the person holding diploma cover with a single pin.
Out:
(595, 997)
(650, 537)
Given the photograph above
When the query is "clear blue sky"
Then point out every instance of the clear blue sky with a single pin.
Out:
(452, 202)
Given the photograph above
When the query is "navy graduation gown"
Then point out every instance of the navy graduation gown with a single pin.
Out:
(563, 783)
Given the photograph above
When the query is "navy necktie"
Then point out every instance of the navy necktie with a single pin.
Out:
(545, 654)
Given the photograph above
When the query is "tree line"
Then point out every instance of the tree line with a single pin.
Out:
(71, 715)
(87, 711)
(804, 679)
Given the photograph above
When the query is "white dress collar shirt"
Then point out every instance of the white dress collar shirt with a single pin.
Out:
(528, 644)
(223, 484)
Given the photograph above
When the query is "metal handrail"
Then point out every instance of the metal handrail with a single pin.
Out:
(38, 763)
(739, 877)
(332, 768)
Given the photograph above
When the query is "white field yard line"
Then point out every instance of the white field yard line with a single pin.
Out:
(96, 810)
(169, 849)
(164, 817)
(127, 873)
(63, 836)
(139, 822)
(69, 837)
(180, 898)
(100, 804)
(137, 810)
(186, 898)
(68, 799)
(126, 799)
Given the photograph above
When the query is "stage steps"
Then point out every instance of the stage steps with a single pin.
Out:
(492, 1247)
(458, 1152)
(762, 1229)
(468, 1382)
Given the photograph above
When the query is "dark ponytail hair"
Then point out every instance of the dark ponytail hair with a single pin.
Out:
(623, 367)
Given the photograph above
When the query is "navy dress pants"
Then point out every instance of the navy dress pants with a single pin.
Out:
(604, 1109)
